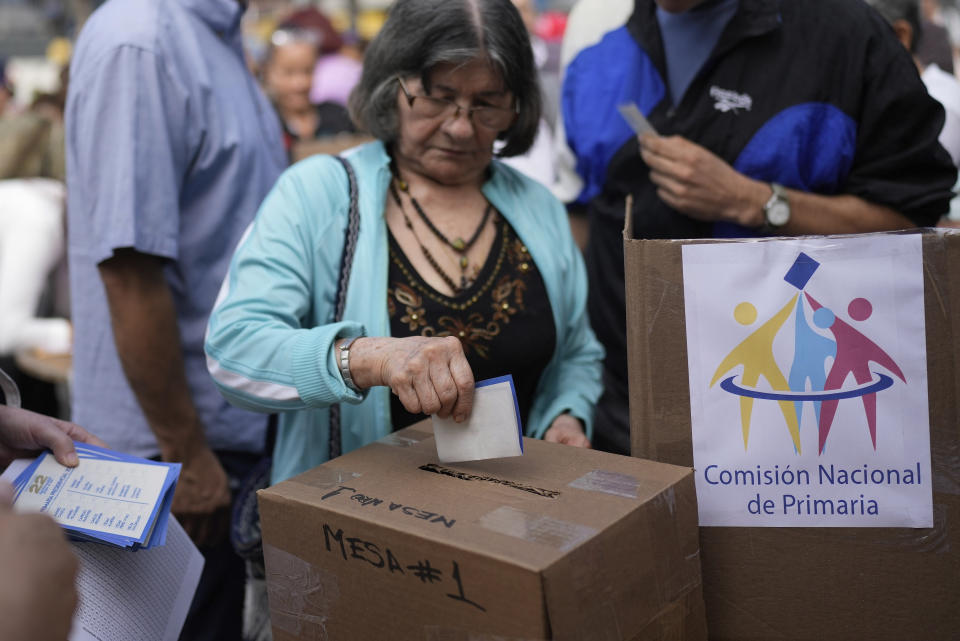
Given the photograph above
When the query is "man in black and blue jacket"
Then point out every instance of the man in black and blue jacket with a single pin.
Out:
(774, 118)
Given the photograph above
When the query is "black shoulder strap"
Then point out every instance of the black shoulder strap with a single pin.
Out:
(350, 243)
(349, 249)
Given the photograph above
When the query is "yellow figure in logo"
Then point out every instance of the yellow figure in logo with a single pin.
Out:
(755, 353)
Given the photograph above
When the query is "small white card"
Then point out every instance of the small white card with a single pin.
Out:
(635, 119)
(493, 429)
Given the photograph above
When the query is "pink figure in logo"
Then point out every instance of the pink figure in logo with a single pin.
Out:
(855, 352)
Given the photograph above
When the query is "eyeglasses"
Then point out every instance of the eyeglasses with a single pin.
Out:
(488, 116)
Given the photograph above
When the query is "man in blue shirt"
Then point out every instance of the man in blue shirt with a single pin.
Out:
(170, 148)
(775, 118)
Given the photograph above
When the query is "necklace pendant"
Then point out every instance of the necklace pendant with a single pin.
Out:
(463, 262)
(459, 244)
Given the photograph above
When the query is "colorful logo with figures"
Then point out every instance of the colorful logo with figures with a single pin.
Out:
(821, 364)
(808, 382)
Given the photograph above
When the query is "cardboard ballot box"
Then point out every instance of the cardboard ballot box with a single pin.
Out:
(817, 398)
(387, 543)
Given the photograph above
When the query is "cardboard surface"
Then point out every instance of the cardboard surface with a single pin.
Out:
(386, 542)
(807, 583)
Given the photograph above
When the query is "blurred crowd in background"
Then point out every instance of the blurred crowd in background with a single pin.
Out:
(307, 57)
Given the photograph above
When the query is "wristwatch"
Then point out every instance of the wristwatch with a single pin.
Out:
(776, 212)
(343, 363)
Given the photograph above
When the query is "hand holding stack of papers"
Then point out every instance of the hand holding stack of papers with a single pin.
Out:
(109, 497)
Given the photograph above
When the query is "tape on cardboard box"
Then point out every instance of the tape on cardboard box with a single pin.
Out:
(301, 596)
(536, 528)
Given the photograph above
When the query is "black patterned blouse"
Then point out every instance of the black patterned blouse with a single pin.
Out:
(503, 319)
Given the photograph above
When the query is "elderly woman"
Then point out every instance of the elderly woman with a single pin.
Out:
(464, 269)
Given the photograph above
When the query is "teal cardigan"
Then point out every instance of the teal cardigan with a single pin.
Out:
(270, 342)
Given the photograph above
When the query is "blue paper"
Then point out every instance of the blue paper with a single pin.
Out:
(102, 485)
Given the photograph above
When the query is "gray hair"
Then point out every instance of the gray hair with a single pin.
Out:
(894, 10)
(420, 34)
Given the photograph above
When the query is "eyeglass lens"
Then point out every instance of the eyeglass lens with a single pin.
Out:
(430, 107)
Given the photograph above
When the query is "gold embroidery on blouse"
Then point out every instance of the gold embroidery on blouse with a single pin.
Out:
(474, 331)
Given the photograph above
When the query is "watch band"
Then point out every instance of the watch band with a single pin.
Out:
(343, 363)
(777, 197)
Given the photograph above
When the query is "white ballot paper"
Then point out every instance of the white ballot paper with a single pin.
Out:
(132, 594)
(493, 429)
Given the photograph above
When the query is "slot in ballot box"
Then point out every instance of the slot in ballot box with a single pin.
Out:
(386, 542)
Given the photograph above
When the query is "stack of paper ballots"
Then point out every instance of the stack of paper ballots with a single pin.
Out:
(108, 498)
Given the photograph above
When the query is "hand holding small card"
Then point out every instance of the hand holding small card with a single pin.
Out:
(493, 429)
(635, 119)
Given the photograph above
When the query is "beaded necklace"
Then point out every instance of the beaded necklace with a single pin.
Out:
(458, 244)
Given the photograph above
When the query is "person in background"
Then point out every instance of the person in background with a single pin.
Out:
(171, 146)
(945, 15)
(37, 594)
(933, 46)
(464, 268)
(33, 246)
(538, 162)
(546, 57)
(587, 22)
(337, 71)
(775, 118)
(904, 17)
(287, 76)
(6, 89)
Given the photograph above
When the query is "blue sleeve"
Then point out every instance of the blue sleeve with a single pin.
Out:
(128, 147)
(572, 381)
(263, 350)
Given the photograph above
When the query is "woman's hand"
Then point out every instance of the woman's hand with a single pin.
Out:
(429, 375)
(567, 430)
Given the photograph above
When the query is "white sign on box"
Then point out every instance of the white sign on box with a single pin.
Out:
(808, 382)
(493, 429)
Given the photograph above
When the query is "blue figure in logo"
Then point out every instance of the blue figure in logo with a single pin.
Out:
(810, 356)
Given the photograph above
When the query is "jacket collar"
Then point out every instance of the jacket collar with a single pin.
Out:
(222, 16)
(753, 18)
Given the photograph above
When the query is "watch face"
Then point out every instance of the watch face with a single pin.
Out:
(778, 214)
